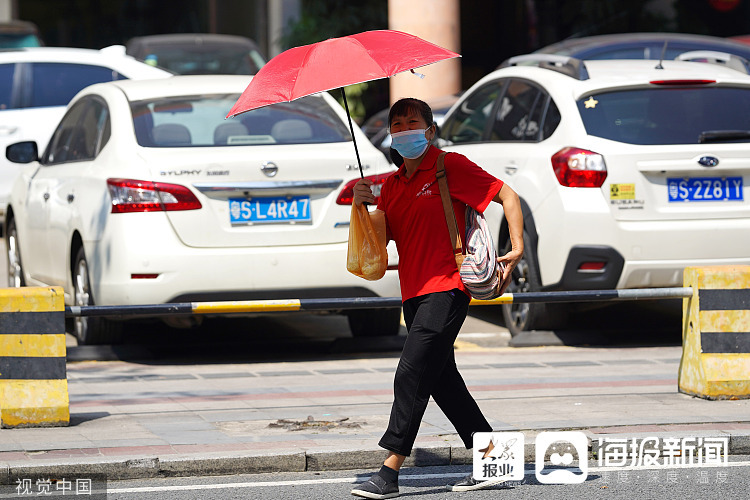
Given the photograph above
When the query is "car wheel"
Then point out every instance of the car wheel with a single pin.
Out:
(90, 330)
(374, 322)
(525, 278)
(15, 270)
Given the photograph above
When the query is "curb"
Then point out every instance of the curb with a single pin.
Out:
(298, 461)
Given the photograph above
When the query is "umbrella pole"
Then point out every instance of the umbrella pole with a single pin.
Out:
(351, 128)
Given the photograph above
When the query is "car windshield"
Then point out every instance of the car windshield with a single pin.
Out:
(199, 121)
(674, 115)
(16, 40)
(216, 61)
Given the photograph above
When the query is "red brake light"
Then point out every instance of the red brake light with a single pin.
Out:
(681, 82)
(592, 266)
(130, 195)
(346, 196)
(575, 167)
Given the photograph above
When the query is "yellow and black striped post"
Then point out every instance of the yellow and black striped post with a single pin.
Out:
(33, 379)
(716, 333)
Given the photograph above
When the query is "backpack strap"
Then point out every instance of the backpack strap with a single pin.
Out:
(450, 214)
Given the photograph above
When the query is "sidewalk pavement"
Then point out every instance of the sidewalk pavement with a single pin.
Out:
(148, 419)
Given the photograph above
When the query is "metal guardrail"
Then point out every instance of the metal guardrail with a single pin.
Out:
(290, 305)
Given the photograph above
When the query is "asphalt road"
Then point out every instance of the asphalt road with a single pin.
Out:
(727, 482)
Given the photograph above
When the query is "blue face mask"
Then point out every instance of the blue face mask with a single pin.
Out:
(410, 143)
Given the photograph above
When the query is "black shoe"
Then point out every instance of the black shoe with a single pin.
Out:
(470, 484)
(376, 487)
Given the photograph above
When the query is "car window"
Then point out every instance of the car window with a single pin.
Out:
(551, 119)
(55, 84)
(81, 134)
(90, 134)
(59, 144)
(468, 122)
(622, 53)
(199, 121)
(7, 71)
(518, 116)
(13, 41)
(677, 115)
(196, 61)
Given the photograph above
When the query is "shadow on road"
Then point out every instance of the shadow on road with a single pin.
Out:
(240, 339)
(622, 324)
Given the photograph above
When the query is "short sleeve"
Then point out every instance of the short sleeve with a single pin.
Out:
(469, 183)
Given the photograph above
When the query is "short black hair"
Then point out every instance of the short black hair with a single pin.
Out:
(407, 105)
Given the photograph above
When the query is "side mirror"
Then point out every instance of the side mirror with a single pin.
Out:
(22, 152)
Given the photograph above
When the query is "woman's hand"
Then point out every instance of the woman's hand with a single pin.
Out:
(363, 192)
(508, 263)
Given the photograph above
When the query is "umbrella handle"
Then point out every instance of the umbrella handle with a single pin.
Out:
(351, 128)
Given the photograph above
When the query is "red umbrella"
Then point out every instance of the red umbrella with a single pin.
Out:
(334, 63)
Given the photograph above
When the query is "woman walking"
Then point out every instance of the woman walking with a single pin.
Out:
(435, 301)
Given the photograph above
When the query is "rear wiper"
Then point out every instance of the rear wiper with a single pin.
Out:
(723, 135)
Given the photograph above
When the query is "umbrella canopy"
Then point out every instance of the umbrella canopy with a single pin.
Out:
(334, 63)
(337, 62)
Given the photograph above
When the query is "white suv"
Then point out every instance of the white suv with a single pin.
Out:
(37, 83)
(628, 171)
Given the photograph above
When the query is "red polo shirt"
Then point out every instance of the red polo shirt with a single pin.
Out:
(416, 220)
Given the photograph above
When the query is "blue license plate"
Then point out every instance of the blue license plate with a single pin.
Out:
(273, 209)
(704, 189)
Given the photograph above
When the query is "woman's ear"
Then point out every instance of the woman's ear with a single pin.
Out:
(431, 132)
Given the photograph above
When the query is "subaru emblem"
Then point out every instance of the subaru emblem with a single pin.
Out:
(269, 168)
(708, 161)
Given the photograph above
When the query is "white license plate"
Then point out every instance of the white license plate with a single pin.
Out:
(704, 189)
(282, 209)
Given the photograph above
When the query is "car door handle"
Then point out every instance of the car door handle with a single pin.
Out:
(45, 196)
(71, 197)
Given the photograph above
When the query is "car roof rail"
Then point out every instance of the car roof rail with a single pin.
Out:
(574, 68)
(713, 57)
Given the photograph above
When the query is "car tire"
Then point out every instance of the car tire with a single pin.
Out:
(13, 256)
(90, 329)
(374, 322)
(526, 278)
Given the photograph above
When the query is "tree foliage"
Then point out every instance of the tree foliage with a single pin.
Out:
(322, 19)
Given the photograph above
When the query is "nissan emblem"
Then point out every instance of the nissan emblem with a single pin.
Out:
(269, 168)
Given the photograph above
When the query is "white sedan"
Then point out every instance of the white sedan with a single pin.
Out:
(146, 194)
(36, 84)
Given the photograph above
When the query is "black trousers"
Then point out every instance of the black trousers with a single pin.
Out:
(428, 368)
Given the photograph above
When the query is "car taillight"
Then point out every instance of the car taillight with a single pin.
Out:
(346, 196)
(130, 195)
(575, 167)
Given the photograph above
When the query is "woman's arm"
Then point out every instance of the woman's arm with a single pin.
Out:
(512, 209)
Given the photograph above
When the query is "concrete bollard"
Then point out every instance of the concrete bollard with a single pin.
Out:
(716, 333)
(33, 378)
